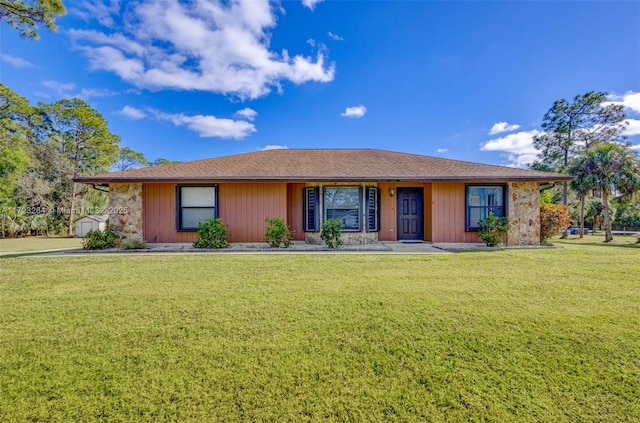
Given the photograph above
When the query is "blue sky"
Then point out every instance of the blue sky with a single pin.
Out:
(461, 80)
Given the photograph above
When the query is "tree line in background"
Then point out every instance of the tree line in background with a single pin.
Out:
(42, 149)
(584, 139)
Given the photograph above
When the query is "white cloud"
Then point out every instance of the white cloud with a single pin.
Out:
(246, 113)
(214, 46)
(442, 150)
(87, 93)
(635, 147)
(42, 94)
(16, 62)
(503, 127)
(633, 128)
(59, 87)
(96, 9)
(518, 147)
(208, 126)
(68, 90)
(335, 36)
(274, 147)
(132, 113)
(311, 4)
(354, 112)
(630, 100)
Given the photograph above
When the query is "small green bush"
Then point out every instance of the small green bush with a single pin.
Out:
(99, 240)
(493, 229)
(278, 233)
(330, 233)
(212, 233)
(133, 244)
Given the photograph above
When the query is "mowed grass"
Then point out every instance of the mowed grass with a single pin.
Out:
(38, 243)
(629, 240)
(516, 335)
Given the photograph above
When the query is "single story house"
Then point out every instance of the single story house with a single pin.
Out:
(378, 195)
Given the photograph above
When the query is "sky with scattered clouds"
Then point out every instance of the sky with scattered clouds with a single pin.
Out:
(461, 80)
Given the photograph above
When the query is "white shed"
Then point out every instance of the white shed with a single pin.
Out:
(90, 223)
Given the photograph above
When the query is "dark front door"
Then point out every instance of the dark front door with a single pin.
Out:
(410, 215)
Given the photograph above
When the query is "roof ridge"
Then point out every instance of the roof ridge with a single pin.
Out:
(317, 164)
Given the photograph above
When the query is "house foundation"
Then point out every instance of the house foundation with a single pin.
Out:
(348, 238)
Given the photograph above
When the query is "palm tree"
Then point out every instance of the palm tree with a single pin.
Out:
(608, 168)
(581, 184)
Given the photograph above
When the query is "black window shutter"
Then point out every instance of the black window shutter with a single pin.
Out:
(311, 209)
(373, 209)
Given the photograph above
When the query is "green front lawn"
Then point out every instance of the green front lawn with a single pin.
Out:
(597, 240)
(516, 335)
(38, 243)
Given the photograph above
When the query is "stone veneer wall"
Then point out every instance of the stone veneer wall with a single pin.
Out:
(348, 238)
(125, 210)
(524, 213)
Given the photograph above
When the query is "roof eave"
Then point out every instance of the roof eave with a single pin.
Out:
(465, 178)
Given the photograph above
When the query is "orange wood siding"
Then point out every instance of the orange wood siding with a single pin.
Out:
(245, 206)
(159, 214)
(242, 206)
(448, 214)
(428, 213)
(387, 213)
(294, 210)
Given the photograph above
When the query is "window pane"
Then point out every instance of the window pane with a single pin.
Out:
(349, 218)
(485, 196)
(474, 197)
(191, 217)
(483, 200)
(494, 197)
(497, 211)
(475, 214)
(342, 198)
(197, 196)
(343, 203)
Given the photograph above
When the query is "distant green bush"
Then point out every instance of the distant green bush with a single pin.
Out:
(212, 233)
(99, 240)
(278, 233)
(330, 233)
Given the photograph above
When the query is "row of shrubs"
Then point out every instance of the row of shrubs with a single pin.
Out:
(100, 240)
(213, 233)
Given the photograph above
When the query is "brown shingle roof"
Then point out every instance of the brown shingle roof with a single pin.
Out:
(325, 165)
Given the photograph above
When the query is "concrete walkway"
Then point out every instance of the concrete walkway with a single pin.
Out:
(415, 248)
(298, 247)
(37, 252)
